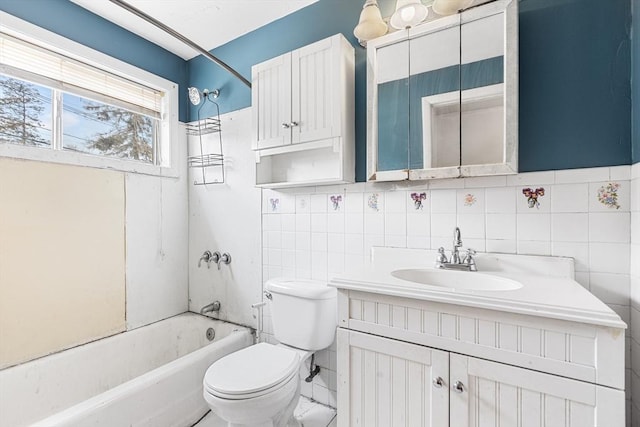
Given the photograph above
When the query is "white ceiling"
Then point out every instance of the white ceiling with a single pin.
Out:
(208, 23)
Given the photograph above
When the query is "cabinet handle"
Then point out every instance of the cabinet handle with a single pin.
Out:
(438, 382)
(293, 124)
(458, 387)
(286, 125)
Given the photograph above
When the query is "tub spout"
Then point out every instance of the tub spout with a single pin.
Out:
(213, 307)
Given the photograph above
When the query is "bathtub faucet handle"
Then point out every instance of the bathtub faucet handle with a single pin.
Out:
(206, 256)
(225, 258)
(209, 257)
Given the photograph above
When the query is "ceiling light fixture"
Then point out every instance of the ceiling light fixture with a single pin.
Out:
(371, 24)
(409, 13)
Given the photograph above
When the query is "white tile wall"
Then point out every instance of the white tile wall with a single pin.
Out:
(494, 215)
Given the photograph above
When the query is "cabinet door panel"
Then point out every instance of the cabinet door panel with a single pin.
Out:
(385, 382)
(500, 395)
(271, 102)
(314, 81)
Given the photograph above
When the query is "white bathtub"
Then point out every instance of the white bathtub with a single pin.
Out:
(151, 376)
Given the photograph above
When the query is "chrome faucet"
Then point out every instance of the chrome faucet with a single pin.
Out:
(467, 263)
(457, 243)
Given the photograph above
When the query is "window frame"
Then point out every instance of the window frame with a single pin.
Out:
(166, 148)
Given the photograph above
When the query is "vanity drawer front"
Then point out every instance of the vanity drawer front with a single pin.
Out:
(571, 349)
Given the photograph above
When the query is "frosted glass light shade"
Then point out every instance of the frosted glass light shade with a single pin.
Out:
(371, 24)
(449, 7)
(408, 14)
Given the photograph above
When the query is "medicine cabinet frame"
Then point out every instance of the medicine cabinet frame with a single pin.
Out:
(508, 11)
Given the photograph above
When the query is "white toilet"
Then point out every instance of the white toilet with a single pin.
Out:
(259, 386)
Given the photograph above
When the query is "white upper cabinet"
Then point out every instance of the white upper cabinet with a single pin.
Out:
(271, 102)
(303, 116)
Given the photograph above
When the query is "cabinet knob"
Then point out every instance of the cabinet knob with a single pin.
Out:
(458, 387)
(293, 124)
(438, 382)
(286, 125)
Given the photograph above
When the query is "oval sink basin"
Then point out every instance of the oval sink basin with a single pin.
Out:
(457, 279)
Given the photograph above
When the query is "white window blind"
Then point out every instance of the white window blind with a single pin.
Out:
(78, 77)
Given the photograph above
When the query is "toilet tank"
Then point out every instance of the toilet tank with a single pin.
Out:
(303, 312)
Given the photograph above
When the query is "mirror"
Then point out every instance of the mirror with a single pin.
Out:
(443, 97)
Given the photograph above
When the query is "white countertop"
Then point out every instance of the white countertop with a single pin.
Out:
(548, 290)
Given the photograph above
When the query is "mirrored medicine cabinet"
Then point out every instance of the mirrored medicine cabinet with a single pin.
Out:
(443, 97)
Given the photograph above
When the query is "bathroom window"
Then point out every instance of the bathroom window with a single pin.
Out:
(88, 108)
(94, 127)
(25, 113)
(87, 126)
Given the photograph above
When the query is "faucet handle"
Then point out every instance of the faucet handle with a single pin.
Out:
(441, 258)
(206, 257)
(468, 259)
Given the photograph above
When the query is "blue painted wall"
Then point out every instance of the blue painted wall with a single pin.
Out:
(73, 22)
(575, 94)
(635, 82)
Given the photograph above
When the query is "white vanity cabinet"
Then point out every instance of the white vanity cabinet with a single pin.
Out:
(303, 115)
(412, 362)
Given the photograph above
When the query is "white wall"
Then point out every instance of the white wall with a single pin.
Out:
(305, 237)
(226, 218)
(156, 242)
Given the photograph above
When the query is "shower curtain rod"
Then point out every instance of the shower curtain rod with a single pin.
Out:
(180, 37)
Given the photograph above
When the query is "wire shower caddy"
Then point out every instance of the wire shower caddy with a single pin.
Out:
(206, 126)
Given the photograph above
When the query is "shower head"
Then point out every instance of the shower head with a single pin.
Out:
(195, 96)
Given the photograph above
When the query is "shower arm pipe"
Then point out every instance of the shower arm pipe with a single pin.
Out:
(180, 37)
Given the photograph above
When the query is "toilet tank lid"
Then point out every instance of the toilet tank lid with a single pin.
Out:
(301, 288)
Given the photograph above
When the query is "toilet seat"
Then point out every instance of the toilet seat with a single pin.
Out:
(252, 372)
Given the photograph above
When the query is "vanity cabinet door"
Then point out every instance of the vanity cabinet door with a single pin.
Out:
(493, 394)
(384, 382)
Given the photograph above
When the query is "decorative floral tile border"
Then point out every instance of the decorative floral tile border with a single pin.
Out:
(336, 201)
(274, 203)
(533, 196)
(418, 198)
(470, 199)
(608, 195)
(373, 202)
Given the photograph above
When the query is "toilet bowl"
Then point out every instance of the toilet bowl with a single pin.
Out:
(256, 386)
(259, 386)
